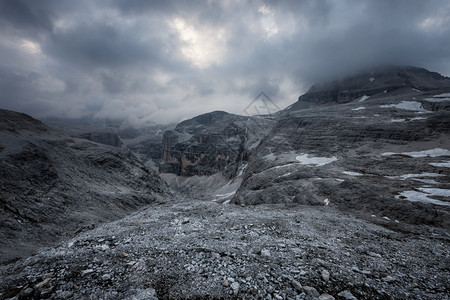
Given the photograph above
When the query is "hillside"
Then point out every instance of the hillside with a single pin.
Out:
(54, 185)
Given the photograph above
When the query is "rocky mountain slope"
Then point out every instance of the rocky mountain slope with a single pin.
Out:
(53, 185)
(385, 152)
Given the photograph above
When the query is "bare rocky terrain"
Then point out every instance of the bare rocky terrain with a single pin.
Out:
(196, 249)
(343, 195)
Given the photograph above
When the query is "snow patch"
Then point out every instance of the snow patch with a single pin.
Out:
(415, 196)
(371, 79)
(418, 118)
(442, 95)
(359, 108)
(397, 120)
(407, 105)
(283, 166)
(445, 164)
(435, 100)
(285, 175)
(220, 197)
(406, 176)
(363, 98)
(431, 153)
(241, 169)
(304, 159)
(350, 173)
(326, 201)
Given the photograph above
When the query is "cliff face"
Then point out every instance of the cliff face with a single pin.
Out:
(204, 145)
(211, 143)
(52, 185)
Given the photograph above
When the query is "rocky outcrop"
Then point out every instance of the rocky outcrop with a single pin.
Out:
(53, 185)
(385, 154)
(211, 143)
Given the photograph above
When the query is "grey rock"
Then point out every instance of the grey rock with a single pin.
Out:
(311, 291)
(265, 252)
(26, 293)
(325, 275)
(87, 272)
(326, 296)
(297, 285)
(235, 287)
(347, 295)
(389, 279)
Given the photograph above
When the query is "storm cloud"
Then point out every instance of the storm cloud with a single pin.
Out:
(164, 61)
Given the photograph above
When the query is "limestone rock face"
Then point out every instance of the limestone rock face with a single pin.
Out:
(211, 143)
(53, 185)
(381, 151)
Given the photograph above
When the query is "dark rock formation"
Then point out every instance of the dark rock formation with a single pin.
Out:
(211, 143)
(53, 185)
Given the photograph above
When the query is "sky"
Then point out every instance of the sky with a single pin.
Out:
(162, 61)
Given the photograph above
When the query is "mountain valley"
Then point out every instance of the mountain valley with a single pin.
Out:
(345, 194)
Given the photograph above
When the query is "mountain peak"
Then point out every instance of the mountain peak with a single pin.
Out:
(370, 82)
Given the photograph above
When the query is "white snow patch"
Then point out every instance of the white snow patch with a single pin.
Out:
(285, 175)
(340, 180)
(283, 166)
(385, 91)
(220, 197)
(406, 176)
(445, 164)
(386, 218)
(416, 90)
(431, 153)
(363, 98)
(359, 108)
(241, 169)
(415, 196)
(427, 181)
(436, 191)
(326, 201)
(371, 79)
(406, 105)
(437, 99)
(304, 159)
(418, 118)
(350, 173)
(397, 120)
(376, 115)
(442, 95)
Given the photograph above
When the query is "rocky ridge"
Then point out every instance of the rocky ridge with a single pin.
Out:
(53, 185)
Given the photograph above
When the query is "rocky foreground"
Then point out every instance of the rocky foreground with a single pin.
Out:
(205, 250)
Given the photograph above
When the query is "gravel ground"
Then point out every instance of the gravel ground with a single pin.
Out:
(195, 249)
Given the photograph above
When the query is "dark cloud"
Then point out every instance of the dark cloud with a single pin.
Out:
(167, 60)
(27, 15)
